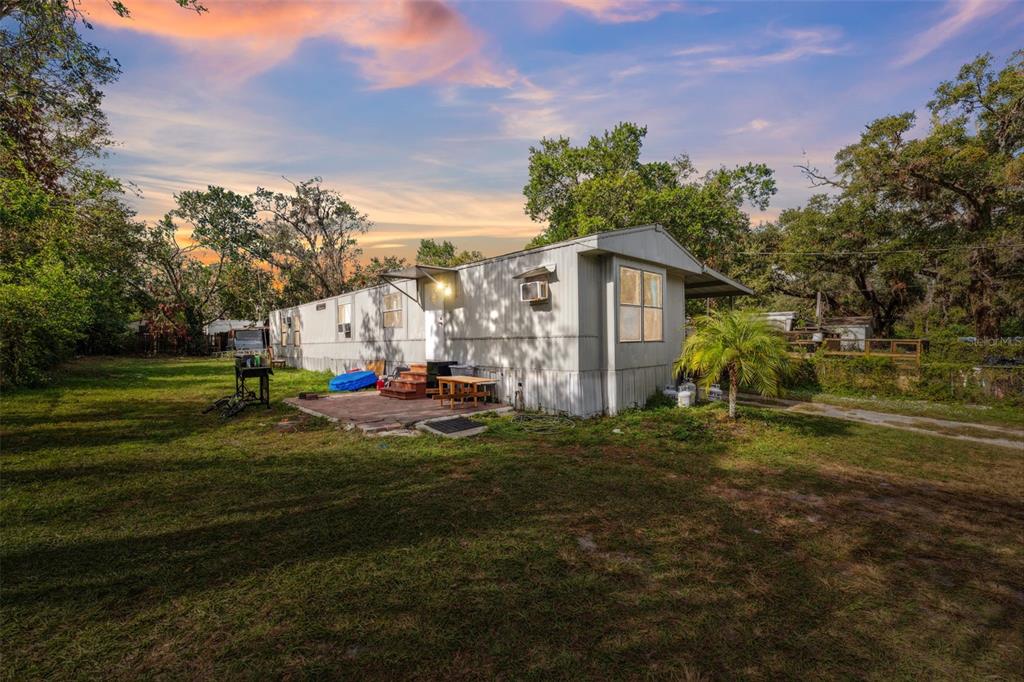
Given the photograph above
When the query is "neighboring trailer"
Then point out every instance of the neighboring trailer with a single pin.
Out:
(603, 339)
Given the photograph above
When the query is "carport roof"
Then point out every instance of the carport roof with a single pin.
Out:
(713, 284)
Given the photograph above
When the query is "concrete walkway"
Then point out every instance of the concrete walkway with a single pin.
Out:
(987, 434)
(373, 413)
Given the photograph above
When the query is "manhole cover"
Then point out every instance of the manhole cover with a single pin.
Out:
(455, 425)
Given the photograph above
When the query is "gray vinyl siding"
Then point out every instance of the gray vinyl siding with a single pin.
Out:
(323, 349)
(489, 326)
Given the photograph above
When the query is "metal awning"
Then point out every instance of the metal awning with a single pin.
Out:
(713, 284)
(417, 272)
(414, 272)
(546, 269)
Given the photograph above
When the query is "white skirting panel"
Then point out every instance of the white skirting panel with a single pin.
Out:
(338, 357)
(634, 386)
(580, 394)
(553, 391)
(337, 365)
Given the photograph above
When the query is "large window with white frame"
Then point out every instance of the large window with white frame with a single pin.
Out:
(296, 329)
(345, 320)
(283, 323)
(641, 301)
(392, 310)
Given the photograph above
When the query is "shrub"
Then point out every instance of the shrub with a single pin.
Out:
(955, 381)
(658, 400)
(982, 351)
(971, 383)
(42, 317)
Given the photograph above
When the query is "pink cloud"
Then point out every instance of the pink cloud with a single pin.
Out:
(623, 11)
(395, 43)
(960, 17)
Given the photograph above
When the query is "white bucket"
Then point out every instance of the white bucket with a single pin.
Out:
(685, 399)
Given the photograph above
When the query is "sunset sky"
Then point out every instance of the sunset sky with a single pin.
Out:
(422, 114)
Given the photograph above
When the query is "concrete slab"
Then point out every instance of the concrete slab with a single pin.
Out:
(373, 413)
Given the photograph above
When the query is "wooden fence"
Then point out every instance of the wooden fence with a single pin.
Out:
(899, 350)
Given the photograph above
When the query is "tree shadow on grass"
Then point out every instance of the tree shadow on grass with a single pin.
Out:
(129, 572)
(519, 554)
(103, 472)
(93, 434)
(113, 423)
(483, 554)
(907, 552)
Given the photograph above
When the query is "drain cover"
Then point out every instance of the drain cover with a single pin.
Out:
(455, 427)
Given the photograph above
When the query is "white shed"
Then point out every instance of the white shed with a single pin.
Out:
(600, 334)
(225, 326)
(783, 319)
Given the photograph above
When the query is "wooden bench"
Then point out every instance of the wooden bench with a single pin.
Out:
(476, 394)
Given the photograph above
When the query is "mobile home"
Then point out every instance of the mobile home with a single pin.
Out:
(587, 326)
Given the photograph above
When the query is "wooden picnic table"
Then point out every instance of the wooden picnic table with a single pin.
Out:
(462, 388)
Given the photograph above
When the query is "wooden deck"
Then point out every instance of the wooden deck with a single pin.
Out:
(373, 412)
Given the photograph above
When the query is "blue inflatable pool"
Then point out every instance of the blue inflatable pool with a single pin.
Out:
(352, 381)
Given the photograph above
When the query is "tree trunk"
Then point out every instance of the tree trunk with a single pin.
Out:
(195, 343)
(732, 394)
(979, 295)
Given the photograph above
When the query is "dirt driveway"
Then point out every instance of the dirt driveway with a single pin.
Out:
(979, 433)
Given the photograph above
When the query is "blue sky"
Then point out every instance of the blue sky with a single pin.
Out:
(422, 114)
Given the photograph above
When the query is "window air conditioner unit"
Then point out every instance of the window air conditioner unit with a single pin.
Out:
(531, 292)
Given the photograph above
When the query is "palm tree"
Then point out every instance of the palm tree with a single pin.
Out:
(739, 344)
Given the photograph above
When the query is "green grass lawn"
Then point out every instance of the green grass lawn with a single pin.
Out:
(143, 539)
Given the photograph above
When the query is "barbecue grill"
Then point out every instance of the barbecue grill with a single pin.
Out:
(252, 366)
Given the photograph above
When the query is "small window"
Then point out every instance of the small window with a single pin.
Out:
(629, 286)
(652, 290)
(345, 320)
(297, 331)
(321, 306)
(282, 325)
(652, 306)
(392, 310)
(641, 299)
(629, 323)
(630, 309)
